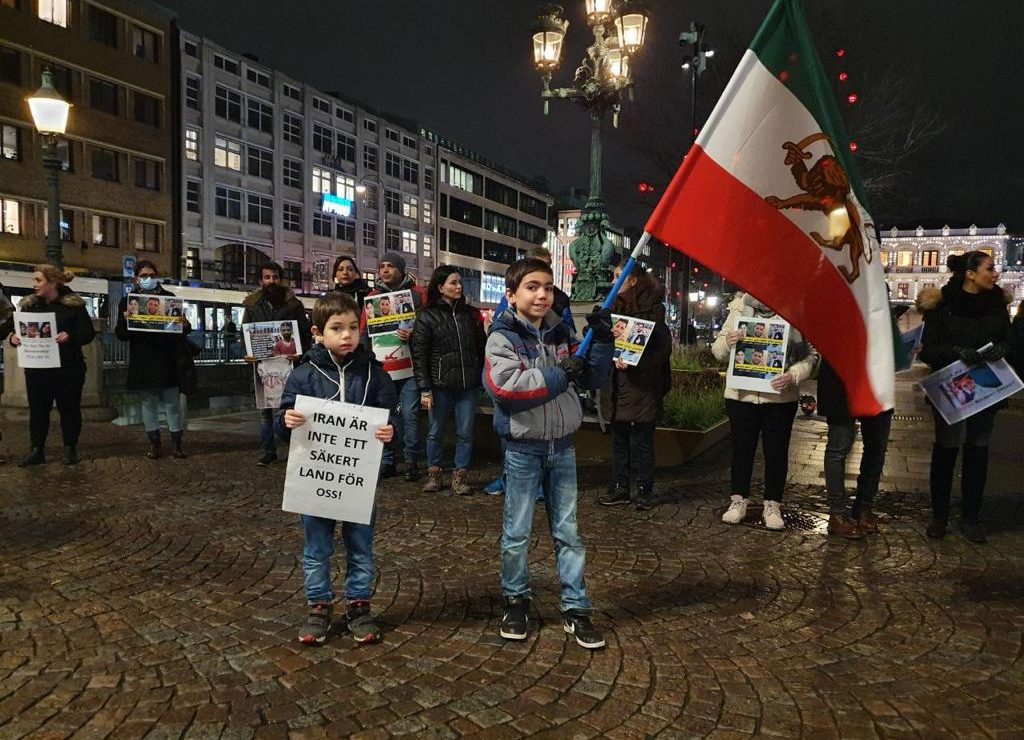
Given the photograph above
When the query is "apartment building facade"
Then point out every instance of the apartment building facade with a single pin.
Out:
(273, 168)
(488, 217)
(113, 60)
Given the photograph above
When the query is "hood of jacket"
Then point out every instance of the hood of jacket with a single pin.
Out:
(257, 295)
(952, 293)
(321, 357)
(65, 295)
(552, 330)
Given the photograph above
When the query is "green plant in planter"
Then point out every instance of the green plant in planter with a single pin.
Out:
(694, 358)
(693, 408)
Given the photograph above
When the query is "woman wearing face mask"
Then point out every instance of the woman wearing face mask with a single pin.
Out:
(152, 366)
(348, 280)
(61, 384)
(448, 360)
(966, 320)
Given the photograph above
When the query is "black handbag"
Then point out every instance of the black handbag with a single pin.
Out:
(188, 376)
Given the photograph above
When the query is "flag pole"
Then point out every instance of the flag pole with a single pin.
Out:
(627, 268)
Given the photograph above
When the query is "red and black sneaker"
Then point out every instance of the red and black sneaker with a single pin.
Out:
(361, 626)
(318, 624)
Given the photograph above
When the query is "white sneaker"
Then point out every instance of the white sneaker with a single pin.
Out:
(737, 510)
(773, 515)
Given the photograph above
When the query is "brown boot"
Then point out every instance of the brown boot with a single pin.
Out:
(844, 526)
(434, 482)
(867, 521)
(459, 485)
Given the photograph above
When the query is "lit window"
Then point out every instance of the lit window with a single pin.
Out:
(9, 142)
(428, 247)
(192, 144)
(410, 208)
(428, 213)
(492, 288)
(459, 178)
(10, 216)
(106, 231)
(54, 11)
(904, 258)
(321, 180)
(346, 187)
(227, 153)
(409, 239)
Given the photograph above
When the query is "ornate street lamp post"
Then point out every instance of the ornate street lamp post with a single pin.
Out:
(619, 29)
(50, 116)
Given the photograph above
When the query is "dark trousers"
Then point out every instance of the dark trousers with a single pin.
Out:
(773, 422)
(633, 451)
(46, 385)
(974, 433)
(841, 434)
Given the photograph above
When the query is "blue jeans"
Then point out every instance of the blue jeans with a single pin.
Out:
(464, 403)
(155, 399)
(267, 440)
(317, 552)
(524, 473)
(408, 423)
(841, 434)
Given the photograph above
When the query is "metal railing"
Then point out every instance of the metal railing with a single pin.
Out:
(216, 348)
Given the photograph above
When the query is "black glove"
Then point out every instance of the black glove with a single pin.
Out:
(967, 355)
(996, 352)
(600, 320)
(575, 369)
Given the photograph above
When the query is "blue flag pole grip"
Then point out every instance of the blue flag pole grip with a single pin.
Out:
(627, 268)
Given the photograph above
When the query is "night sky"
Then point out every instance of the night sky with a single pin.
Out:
(464, 68)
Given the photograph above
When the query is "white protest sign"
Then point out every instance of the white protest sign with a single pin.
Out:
(38, 335)
(334, 460)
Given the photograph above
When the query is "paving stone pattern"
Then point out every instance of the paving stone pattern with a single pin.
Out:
(161, 600)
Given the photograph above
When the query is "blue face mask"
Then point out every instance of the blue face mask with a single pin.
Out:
(148, 283)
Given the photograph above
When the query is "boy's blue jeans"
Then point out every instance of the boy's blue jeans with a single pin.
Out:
(524, 473)
(317, 552)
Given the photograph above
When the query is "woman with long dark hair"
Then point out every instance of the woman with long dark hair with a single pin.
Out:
(348, 279)
(61, 384)
(966, 320)
(447, 358)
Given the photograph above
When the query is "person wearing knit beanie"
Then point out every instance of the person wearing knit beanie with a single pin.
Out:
(396, 259)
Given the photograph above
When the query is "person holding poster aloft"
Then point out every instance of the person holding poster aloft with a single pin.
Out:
(61, 384)
(273, 302)
(632, 402)
(966, 320)
(391, 277)
(339, 368)
(767, 414)
(447, 359)
(152, 366)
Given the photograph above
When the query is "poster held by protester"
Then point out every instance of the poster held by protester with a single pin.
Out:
(631, 337)
(38, 335)
(760, 355)
(394, 354)
(156, 313)
(270, 376)
(264, 339)
(959, 391)
(911, 341)
(334, 460)
(389, 312)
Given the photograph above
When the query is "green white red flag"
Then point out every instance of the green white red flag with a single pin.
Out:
(769, 198)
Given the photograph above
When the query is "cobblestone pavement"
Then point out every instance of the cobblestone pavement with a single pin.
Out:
(161, 599)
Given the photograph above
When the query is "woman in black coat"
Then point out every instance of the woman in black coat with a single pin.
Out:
(61, 384)
(967, 320)
(348, 280)
(633, 401)
(447, 359)
(152, 365)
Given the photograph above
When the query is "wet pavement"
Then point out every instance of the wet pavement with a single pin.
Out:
(161, 599)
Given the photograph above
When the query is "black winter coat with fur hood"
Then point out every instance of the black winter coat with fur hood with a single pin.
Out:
(955, 319)
(69, 310)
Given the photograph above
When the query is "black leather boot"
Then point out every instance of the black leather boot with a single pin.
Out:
(176, 452)
(941, 477)
(154, 445)
(35, 457)
(975, 473)
(70, 455)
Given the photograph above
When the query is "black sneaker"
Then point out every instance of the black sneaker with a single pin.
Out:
(388, 470)
(644, 498)
(936, 528)
(578, 624)
(318, 624)
(514, 617)
(973, 532)
(267, 459)
(412, 473)
(618, 493)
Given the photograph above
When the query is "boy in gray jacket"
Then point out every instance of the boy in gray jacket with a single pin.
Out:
(533, 377)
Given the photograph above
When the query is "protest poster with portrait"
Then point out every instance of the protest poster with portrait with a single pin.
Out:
(394, 354)
(334, 460)
(270, 375)
(631, 337)
(911, 341)
(38, 335)
(265, 339)
(388, 312)
(760, 355)
(959, 390)
(156, 313)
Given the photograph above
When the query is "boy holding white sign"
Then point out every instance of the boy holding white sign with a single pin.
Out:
(338, 368)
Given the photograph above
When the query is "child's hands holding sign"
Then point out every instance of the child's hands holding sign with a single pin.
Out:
(293, 419)
(384, 434)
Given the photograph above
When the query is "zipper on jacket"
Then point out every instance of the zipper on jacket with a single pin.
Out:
(462, 356)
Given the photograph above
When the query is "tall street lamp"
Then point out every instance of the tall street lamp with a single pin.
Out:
(50, 116)
(619, 29)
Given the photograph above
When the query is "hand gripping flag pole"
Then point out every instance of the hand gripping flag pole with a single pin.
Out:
(588, 338)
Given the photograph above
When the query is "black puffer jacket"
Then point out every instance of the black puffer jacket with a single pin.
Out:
(636, 394)
(448, 346)
(357, 291)
(69, 310)
(954, 319)
(152, 357)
